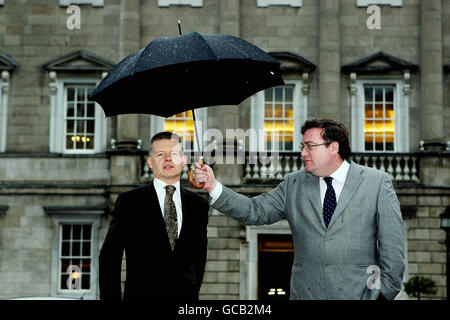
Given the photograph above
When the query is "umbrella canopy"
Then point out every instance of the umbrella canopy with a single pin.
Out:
(175, 74)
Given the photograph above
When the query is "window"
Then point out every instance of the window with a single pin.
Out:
(278, 113)
(192, 3)
(75, 250)
(4, 90)
(78, 125)
(379, 118)
(183, 125)
(292, 3)
(79, 122)
(279, 117)
(94, 3)
(75, 257)
(392, 3)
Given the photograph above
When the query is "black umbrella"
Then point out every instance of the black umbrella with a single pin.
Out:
(185, 72)
(176, 74)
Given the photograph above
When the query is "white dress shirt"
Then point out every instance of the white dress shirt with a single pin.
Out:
(338, 181)
(161, 193)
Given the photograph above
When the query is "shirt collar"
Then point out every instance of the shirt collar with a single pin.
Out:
(341, 173)
(160, 185)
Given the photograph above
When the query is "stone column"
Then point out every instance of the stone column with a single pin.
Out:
(128, 125)
(229, 23)
(329, 59)
(431, 71)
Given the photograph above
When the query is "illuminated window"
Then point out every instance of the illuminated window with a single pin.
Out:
(183, 125)
(75, 252)
(279, 118)
(278, 113)
(379, 118)
(79, 118)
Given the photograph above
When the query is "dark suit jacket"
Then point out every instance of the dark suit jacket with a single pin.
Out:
(153, 270)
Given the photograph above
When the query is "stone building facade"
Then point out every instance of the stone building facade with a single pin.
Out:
(62, 164)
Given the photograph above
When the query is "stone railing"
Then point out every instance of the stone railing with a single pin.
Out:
(400, 166)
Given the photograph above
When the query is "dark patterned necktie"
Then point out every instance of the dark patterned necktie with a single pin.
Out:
(170, 216)
(329, 203)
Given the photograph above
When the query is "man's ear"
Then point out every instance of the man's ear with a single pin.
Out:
(149, 162)
(334, 147)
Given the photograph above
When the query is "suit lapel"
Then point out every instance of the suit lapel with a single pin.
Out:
(351, 185)
(186, 217)
(313, 193)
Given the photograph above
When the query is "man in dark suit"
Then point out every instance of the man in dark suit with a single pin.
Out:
(161, 227)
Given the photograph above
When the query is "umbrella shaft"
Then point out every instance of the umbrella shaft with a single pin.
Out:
(196, 131)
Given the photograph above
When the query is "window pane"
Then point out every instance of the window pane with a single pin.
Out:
(268, 94)
(85, 281)
(378, 94)
(278, 94)
(90, 110)
(69, 142)
(90, 126)
(278, 111)
(368, 112)
(288, 111)
(66, 232)
(80, 109)
(70, 109)
(76, 232)
(368, 94)
(80, 94)
(70, 94)
(87, 231)
(390, 111)
(86, 248)
(70, 126)
(64, 278)
(90, 142)
(389, 94)
(268, 111)
(379, 111)
(65, 248)
(65, 263)
(289, 91)
(80, 127)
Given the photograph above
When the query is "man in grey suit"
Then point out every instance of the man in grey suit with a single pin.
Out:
(345, 219)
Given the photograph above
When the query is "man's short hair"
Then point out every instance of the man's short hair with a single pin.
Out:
(165, 135)
(333, 131)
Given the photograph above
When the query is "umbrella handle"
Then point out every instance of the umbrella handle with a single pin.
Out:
(191, 175)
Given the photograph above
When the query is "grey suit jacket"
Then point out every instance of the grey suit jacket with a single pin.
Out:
(365, 230)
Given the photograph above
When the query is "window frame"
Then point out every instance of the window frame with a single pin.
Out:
(58, 220)
(269, 3)
(60, 258)
(3, 119)
(401, 116)
(392, 3)
(300, 104)
(192, 3)
(58, 117)
(94, 3)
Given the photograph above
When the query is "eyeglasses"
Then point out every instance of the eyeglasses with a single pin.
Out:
(310, 147)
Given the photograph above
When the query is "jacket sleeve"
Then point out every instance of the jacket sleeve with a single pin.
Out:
(266, 208)
(391, 240)
(111, 254)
